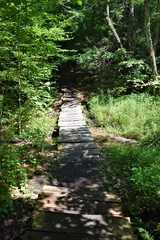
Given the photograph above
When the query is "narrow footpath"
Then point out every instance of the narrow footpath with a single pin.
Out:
(76, 206)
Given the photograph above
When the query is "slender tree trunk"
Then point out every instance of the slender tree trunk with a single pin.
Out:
(147, 4)
(129, 20)
(157, 27)
(112, 27)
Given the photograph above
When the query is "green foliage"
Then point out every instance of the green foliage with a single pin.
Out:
(118, 67)
(5, 200)
(127, 68)
(31, 48)
(134, 116)
(134, 172)
(12, 174)
(37, 128)
(30, 52)
(19, 161)
(145, 234)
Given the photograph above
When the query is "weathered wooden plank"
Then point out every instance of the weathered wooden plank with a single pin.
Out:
(77, 146)
(79, 152)
(80, 182)
(71, 117)
(73, 110)
(93, 194)
(73, 205)
(71, 123)
(70, 114)
(77, 175)
(69, 98)
(72, 170)
(66, 89)
(78, 128)
(81, 223)
(43, 235)
(74, 139)
(76, 202)
(72, 134)
(69, 101)
(77, 158)
(70, 107)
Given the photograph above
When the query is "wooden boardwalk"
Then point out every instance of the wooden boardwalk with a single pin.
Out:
(78, 207)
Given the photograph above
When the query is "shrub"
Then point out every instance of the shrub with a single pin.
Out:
(134, 172)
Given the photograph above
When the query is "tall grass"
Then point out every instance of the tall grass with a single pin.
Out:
(134, 116)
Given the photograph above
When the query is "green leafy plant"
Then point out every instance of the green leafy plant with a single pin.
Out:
(145, 234)
(6, 204)
(132, 172)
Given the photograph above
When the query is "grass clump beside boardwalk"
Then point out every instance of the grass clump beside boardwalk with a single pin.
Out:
(133, 116)
(132, 171)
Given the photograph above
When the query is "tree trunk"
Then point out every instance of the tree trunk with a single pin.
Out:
(147, 4)
(129, 20)
(157, 27)
(112, 27)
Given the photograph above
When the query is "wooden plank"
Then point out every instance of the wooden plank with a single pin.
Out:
(70, 114)
(80, 182)
(75, 203)
(77, 128)
(81, 223)
(70, 102)
(74, 139)
(71, 117)
(71, 123)
(92, 194)
(44, 235)
(77, 158)
(69, 98)
(72, 170)
(67, 134)
(70, 107)
(77, 206)
(81, 152)
(77, 146)
(73, 110)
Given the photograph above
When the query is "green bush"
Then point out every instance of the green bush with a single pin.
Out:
(38, 127)
(12, 174)
(17, 161)
(134, 172)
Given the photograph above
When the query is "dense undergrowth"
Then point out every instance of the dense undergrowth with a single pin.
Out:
(133, 170)
(21, 156)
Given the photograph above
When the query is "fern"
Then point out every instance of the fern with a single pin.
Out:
(145, 234)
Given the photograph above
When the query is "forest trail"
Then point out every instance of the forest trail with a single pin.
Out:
(76, 206)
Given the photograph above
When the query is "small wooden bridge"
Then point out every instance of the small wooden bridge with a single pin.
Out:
(76, 206)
